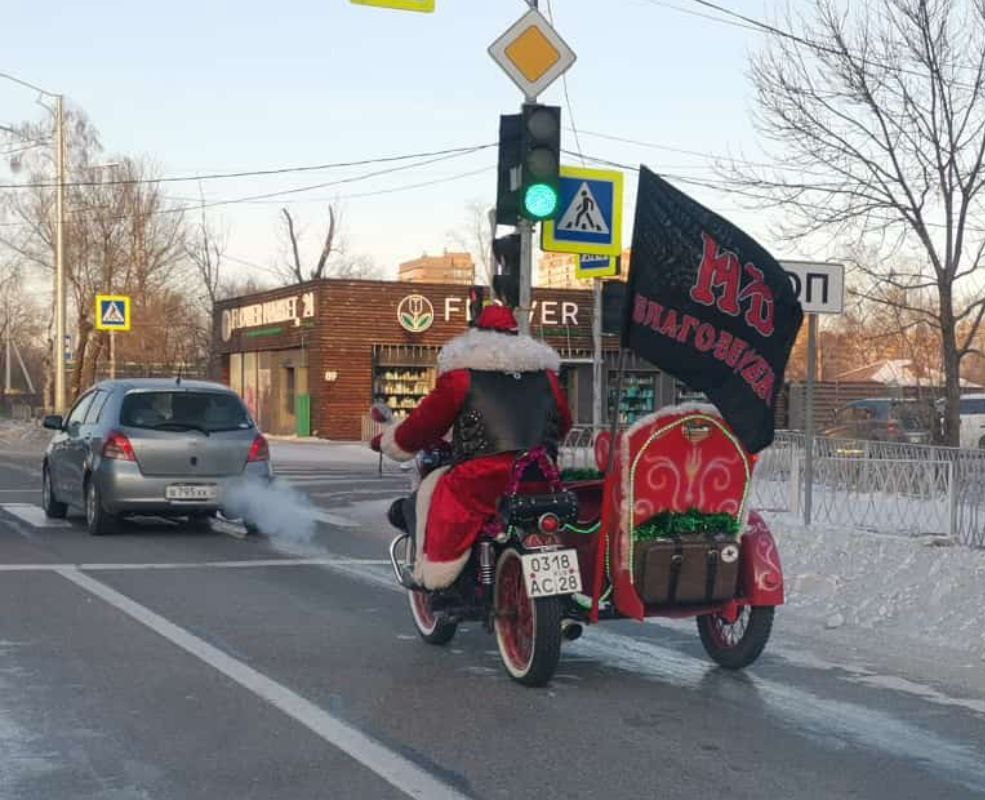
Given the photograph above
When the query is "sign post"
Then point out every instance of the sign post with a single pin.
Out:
(533, 55)
(821, 290)
(112, 314)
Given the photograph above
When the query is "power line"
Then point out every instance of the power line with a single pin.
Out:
(258, 172)
(25, 83)
(564, 84)
(252, 198)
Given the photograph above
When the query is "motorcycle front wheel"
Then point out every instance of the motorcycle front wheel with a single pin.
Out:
(528, 632)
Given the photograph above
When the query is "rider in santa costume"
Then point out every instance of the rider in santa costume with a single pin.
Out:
(498, 393)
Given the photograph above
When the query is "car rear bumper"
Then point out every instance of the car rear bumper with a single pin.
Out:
(125, 490)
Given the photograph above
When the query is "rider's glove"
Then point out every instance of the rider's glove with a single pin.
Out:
(374, 443)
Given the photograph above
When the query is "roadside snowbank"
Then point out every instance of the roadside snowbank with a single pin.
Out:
(890, 585)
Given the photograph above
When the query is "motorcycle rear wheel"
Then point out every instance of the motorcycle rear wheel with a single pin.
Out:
(528, 632)
(433, 628)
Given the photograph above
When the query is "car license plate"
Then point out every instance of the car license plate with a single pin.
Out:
(551, 573)
(189, 491)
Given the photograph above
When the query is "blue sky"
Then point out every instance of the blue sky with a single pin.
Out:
(219, 86)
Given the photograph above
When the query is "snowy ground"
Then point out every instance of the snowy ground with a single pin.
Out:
(18, 436)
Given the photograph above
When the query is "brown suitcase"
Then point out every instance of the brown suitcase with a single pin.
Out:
(687, 569)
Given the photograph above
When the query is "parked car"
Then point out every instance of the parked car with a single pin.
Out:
(150, 446)
(971, 411)
(885, 419)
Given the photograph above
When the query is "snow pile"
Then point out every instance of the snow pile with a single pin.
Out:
(892, 585)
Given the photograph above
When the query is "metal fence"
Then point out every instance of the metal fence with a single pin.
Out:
(884, 487)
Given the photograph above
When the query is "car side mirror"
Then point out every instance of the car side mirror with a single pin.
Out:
(53, 422)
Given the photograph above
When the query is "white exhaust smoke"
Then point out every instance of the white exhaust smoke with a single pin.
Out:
(273, 507)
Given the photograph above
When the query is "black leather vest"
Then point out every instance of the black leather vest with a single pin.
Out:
(506, 412)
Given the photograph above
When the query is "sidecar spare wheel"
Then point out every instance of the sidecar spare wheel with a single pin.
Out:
(528, 632)
(433, 628)
(737, 644)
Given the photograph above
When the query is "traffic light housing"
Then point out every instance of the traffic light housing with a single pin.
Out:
(508, 175)
(540, 161)
(506, 283)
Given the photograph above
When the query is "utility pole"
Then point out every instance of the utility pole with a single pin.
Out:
(59, 359)
(526, 230)
(7, 329)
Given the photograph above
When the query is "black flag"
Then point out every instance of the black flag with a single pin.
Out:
(710, 306)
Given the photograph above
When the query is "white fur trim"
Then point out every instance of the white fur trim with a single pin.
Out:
(674, 411)
(389, 446)
(432, 574)
(497, 352)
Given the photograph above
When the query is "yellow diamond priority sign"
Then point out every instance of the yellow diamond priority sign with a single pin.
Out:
(400, 5)
(532, 53)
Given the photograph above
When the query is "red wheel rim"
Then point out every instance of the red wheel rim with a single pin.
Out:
(420, 604)
(514, 614)
(727, 635)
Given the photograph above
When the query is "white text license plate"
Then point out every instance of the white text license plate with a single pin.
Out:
(188, 491)
(550, 573)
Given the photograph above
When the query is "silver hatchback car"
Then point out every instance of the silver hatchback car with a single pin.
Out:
(150, 446)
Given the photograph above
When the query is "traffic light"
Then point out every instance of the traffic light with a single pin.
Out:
(540, 161)
(508, 177)
(506, 283)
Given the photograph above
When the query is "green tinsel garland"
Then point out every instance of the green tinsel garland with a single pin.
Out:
(669, 523)
(572, 474)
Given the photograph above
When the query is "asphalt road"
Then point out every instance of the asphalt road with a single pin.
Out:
(169, 663)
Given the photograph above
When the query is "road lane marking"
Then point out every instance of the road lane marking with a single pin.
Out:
(395, 769)
(34, 515)
(247, 564)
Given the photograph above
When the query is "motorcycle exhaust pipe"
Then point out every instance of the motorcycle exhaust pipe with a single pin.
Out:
(571, 630)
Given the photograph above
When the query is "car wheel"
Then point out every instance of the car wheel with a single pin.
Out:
(98, 521)
(52, 508)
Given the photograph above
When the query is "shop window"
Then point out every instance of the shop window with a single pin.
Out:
(638, 396)
(402, 388)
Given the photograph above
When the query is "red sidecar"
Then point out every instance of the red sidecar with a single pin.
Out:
(667, 532)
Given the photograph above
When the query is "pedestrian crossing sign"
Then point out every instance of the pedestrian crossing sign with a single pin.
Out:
(112, 312)
(590, 267)
(589, 219)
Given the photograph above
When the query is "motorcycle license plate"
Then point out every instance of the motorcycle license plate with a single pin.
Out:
(551, 573)
(188, 491)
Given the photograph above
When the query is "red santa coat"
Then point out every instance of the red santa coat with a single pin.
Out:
(455, 503)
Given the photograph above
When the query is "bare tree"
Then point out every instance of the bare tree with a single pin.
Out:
(876, 120)
(332, 245)
(475, 236)
(205, 248)
(121, 235)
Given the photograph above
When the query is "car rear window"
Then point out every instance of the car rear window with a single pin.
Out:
(974, 405)
(912, 416)
(169, 410)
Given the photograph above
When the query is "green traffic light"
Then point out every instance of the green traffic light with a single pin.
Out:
(540, 200)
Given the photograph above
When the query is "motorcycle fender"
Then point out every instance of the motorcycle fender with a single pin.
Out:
(761, 576)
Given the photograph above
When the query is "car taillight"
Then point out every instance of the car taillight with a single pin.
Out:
(117, 445)
(259, 451)
(893, 427)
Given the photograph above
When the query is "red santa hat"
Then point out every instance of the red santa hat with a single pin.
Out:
(497, 318)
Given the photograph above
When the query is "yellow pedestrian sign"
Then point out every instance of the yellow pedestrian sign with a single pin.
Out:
(112, 312)
(589, 219)
(401, 5)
